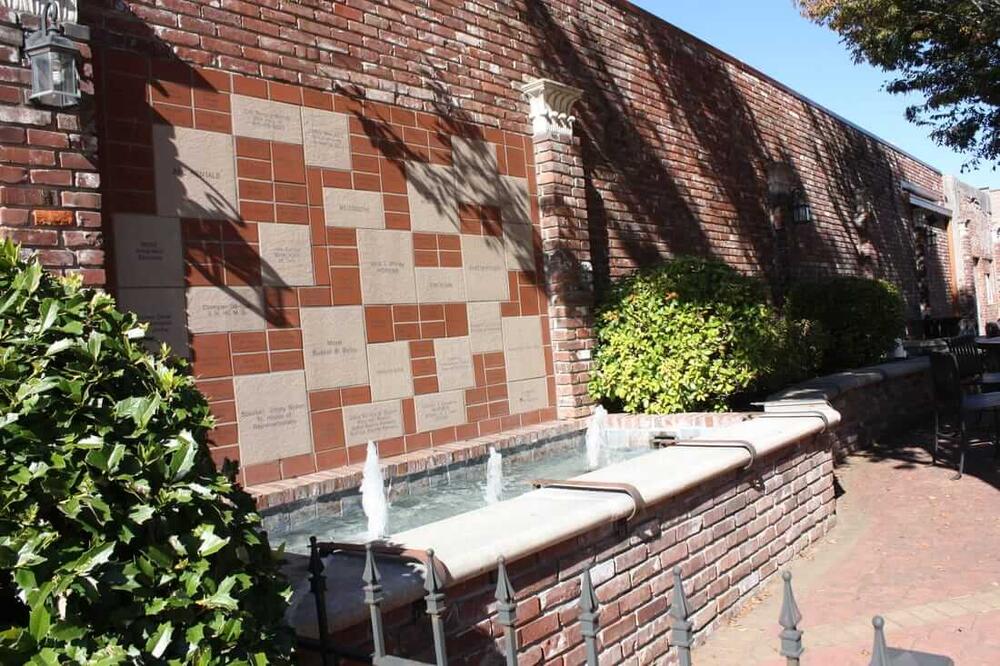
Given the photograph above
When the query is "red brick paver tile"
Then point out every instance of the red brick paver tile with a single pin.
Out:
(910, 544)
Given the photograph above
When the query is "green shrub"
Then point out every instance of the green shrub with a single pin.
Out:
(691, 334)
(862, 318)
(119, 540)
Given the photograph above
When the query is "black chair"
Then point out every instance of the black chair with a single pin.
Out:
(949, 398)
(973, 363)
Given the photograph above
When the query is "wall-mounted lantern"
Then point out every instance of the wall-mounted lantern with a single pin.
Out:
(55, 80)
(785, 196)
(801, 211)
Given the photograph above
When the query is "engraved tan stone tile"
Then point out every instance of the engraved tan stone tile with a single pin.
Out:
(527, 395)
(453, 358)
(439, 410)
(163, 309)
(273, 416)
(148, 251)
(334, 351)
(519, 247)
(286, 255)
(440, 285)
(194, 173)
(386, 259)
(389, 370)
(522, 348)
(373, 421)
(485, 332)
(326, 138)
(485, 268)
(476, 173)
(431, 192)
(354, 209)
(219, 309)
(265, 119)
(514, 200)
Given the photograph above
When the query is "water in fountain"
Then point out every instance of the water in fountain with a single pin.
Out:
(597, 437)
(373, 500)
(494, 477)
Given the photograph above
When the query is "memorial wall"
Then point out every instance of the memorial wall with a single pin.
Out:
(337, 271)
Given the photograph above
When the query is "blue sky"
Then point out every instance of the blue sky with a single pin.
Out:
(774, 38)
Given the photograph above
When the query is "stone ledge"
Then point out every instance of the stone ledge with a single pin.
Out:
(832, 386)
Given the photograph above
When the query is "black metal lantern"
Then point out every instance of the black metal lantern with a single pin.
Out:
(55, 80)
(801, 211)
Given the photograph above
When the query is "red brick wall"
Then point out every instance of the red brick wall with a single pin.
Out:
(676, 136)
(49, 200)
(675, 139)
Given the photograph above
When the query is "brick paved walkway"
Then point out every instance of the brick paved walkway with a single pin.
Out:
(911, 545)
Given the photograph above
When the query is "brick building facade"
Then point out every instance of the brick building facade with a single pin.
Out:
(667, 151)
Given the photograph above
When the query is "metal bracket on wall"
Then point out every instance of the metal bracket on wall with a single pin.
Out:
(717, 444)
(639, 505)
(794, 415)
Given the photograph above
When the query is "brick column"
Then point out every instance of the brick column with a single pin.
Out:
(49, 185)
(565, 241)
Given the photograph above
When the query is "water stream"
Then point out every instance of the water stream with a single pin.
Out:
(373, 498)
(494, 477)
(597, 437)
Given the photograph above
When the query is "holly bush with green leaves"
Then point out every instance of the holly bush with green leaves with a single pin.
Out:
(120, 542)
(690, 335)
(862, 317)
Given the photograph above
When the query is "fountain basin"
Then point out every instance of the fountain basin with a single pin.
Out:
(418, 499)
(468, 543)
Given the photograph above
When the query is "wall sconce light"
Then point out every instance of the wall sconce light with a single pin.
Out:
(55, 80)
(801, 211)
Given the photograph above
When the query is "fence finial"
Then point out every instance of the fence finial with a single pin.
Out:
(373, 599)
(589, 621)
(680, 627)
(791, 636)
(880, 655)
(435, 608)
(506, 612)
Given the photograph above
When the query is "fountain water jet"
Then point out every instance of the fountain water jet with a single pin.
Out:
(597, 437)
(373, 500)
(494, 477)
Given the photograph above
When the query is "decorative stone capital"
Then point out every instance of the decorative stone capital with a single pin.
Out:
(551, 103)
(66, 9)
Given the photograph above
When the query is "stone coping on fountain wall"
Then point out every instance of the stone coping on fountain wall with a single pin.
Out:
(311, 487)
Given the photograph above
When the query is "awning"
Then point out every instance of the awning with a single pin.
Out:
(929, 205)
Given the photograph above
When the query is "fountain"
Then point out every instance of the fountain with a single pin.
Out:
(494, 477)
(373, 501)
(597, 437)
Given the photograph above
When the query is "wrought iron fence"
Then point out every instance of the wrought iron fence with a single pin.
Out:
(681, 627)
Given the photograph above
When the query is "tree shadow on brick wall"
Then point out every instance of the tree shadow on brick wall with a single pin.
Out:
(643, 207)
(860, 186)
(219, 246)
(634, 202)
(468, 187)
(702, 188)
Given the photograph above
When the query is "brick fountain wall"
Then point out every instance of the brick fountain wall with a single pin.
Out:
(728, 535)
